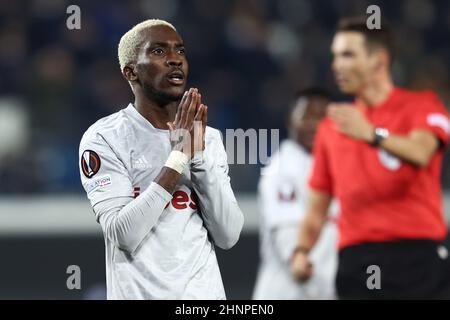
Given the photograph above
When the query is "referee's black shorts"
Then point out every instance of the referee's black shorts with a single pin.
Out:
(406, 269)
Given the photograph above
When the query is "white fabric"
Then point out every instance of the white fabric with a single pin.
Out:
(282, 195)
(177, 161)
(157, 245)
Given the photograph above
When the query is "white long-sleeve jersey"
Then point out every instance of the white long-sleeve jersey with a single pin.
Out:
(158, 245)
(282, 196)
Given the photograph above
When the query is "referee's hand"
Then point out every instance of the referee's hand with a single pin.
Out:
(301, 267)
(351, 121)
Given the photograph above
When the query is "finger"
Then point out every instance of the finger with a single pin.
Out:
(340, 107)
(199, 99)
(182, 102)
(192, 109)
(199, 113)
(185, 108)
(205, 117)
(197, 122)
(305, 274)
(171, 126)
(182, 108)
(172, 131)
(335, 118)
(331, 111)
(339, 122)
(199, 104)
(340, 125)
(341, 128)
(331, 106)
(301, 276)
(336, 115)
(345, 111)
(337, 110)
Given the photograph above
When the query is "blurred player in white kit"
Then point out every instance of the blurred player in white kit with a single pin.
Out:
(162, 197)
(282, 194)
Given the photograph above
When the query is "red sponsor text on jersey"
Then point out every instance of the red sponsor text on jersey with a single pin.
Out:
(180, 199)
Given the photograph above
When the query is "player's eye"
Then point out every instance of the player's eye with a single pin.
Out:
(182, 51)
(347, 54)
(158, 51)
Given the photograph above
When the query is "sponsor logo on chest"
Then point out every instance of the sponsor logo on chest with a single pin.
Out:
(180, 199)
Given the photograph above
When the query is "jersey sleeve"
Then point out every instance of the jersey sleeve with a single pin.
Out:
(218, 206)
(103, 175)
(431, 115)
(320, 178)
(125, 221)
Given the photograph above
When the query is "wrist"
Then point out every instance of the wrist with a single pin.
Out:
(379, 135)
(370, 136)
(177, 161)
(301, 250)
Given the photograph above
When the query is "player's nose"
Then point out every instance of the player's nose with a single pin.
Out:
(174, 60)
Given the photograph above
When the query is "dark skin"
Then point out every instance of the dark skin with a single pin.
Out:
(304, 120)
(158, 79)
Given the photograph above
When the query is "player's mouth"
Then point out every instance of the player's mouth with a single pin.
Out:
(176, 78)
(340, 79)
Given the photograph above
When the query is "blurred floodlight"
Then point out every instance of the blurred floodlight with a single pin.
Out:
(282, 42)
(14, 127)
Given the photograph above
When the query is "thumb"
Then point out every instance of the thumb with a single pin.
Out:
(171, 126)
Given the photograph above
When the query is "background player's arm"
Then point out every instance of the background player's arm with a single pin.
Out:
(416, 148)
(309, 232)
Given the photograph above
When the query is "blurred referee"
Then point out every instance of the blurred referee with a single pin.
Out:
(381, 158)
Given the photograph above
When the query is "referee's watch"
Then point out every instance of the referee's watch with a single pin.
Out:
(379, 135)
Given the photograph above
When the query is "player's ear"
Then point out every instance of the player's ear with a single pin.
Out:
(129, 72)
(385, 58)
(375, 61)
(382, 59)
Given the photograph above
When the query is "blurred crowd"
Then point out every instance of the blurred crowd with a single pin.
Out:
(248, 57)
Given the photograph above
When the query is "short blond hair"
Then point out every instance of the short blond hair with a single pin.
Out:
(128, 45)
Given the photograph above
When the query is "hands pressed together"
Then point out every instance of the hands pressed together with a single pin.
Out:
(187, 131)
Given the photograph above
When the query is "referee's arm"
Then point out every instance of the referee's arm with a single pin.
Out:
(417, 147)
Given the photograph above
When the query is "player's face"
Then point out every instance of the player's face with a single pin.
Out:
(162, 67)
(353, 65)
(305, 118)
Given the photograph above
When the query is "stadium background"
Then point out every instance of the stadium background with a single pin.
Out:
(247, 57)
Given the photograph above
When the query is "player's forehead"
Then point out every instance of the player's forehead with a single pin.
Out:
(347, 41)
(307, 107)
(159, 34)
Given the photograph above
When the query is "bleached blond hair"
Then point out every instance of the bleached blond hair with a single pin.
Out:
(128, 44)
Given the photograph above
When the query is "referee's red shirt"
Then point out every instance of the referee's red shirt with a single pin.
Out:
(381, 197)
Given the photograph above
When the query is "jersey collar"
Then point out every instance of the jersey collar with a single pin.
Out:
(132, 112)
